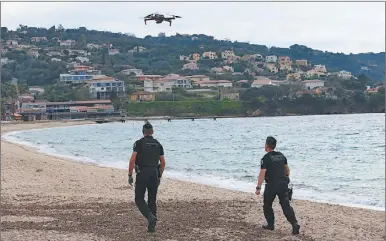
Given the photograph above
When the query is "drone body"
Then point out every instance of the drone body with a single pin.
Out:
(159, 18)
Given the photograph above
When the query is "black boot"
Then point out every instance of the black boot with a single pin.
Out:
(295, 228)
(268, 226)
(152, 220)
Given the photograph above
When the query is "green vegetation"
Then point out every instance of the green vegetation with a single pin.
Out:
(186, 108)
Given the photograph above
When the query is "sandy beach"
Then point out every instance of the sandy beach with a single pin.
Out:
(50, 198)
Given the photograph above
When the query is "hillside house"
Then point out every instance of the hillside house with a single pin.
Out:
(82, 59)
(314, 74)
(285, 61)
(142, 96)
(293, 77)
(190, 66)
(137, 49)
(93, 46)
(113, 51)
(35, 90)
(159, 85)
(12, 43)
(257, 57)
(229, 94)
(228, 68)
(105, 87)
(311, 84)
(135, 72)
(196, 57)
(148, 77)
(215, 83)
(56, 60)
(210, 55)
(38, 39)
(232, 59)
(195, 78)
(320, 68)
(67, 43)
(344, 74)
(33, 53)
(217, 69)
(301, 62)
(261, 81)
(271, 68)
(285, 67)
(271, 59)
(184, 58)
(227, 53)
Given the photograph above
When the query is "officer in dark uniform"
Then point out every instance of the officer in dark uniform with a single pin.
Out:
(275, 171)
(149, 162)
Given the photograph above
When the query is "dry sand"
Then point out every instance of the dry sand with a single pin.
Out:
(51, 198)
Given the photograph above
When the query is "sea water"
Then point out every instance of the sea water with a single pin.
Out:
(333, 158)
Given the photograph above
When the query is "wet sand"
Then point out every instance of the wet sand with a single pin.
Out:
(50, 198)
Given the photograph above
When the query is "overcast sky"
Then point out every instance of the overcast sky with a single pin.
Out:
(338, 27)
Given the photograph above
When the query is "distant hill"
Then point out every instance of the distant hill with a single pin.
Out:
(162, 53)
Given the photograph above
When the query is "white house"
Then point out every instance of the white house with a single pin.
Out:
(67, 43)
(320, 68)
(136, 72)
(311, 84)
(271, 59)
(227, 53)
(214, 83)
(93, 46)
(228, 68)
(261, 81)
(184, 58)
(210, 55)
(196, 78)
(191, 66)
(271, 67)
(82, 59)
(113, 51)
(104, 87)
(344, 74)
(137, 49)
(157, 85)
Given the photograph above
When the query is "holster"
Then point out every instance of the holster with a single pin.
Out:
(137, 170)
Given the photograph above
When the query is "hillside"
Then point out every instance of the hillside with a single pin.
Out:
(161, 55)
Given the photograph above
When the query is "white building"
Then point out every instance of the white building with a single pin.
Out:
(137, 49)
(344, 74)
(196, 78)
(184, 58)
(271, 59)
(228, 68)
(113, 51)
(67, 43)
(103, 88)
(157, 85)
(261, 81)
(191, 66)
(210, 55)
(93, 46)
(214, 83)
(82, 59)
(136, 72)
(311, 84)
(320, 68)
(227, 53)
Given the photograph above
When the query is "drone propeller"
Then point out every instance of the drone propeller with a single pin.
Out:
(177, 16)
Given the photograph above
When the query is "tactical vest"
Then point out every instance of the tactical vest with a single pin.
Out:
(150, 153)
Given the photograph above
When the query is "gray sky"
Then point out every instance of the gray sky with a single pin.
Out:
(338, 27)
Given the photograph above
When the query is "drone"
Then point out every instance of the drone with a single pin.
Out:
(159, 18)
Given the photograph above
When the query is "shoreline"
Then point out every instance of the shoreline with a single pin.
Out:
(53, 181)
(74, 159)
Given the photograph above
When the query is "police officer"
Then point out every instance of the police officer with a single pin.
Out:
(275, 171)
(147, 154)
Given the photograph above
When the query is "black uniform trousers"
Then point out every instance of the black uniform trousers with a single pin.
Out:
(281, 190)
(147, 179)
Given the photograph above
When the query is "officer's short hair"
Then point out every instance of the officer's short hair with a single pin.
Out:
(147, 128)
(271, 142)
